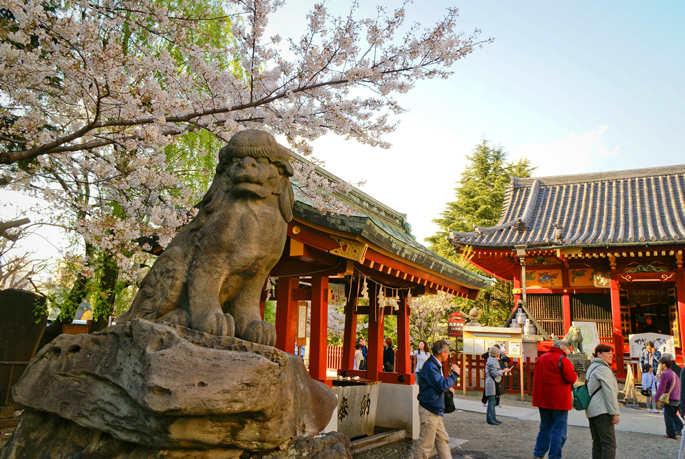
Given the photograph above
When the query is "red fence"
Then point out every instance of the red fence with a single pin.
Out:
(335, 356)
(473, 373)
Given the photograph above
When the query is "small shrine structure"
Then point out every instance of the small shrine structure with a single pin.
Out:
(605, 248)
(373, 255)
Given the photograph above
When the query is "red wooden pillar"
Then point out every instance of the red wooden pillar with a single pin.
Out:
(318, 338)
(565, 301)
(403, 364)
(616, 325)
(350, 334)
(680, 294)
(286, 314)
(374, 362)
(566, 310)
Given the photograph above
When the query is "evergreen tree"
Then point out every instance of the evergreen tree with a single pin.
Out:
(479, 201)
(479, 195)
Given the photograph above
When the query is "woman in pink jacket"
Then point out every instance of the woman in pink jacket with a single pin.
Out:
(669, 384)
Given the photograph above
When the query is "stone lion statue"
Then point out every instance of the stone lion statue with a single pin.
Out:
(574, 338)
(211, 275)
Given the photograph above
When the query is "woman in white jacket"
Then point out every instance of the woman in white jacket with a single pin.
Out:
(602, 411)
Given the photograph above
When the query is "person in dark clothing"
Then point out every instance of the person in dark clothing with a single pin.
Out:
(432, 388)
(362, 341)
(674, 366)
(388, 356)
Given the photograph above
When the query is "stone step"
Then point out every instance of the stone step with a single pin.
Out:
(392, 436)
(374, 441)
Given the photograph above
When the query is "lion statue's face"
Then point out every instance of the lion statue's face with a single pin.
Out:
(256, 176)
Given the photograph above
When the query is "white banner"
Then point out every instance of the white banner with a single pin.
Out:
(590, 336)
(662, 343)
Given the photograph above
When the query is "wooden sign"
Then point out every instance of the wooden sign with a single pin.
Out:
(301, 324)
(455, 327)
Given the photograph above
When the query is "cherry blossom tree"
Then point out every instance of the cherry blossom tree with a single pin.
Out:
(111, 111)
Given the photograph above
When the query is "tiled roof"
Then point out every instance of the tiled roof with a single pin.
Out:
(639, 207)
(383, 227)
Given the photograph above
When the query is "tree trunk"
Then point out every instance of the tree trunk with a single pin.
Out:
(108, 283)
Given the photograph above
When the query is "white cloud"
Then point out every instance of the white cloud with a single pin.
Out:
(573, 154)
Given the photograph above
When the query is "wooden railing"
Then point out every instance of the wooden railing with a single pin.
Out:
(335, 356)
(473, 373)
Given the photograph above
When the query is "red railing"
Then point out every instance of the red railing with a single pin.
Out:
(335, 356)
(473, 373)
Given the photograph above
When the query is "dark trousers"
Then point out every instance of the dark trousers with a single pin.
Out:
(671, 419)
(603, 437)
(484, 399)
(552, 435)
(490, 416)
(677, 422)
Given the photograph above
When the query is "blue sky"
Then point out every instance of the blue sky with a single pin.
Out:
(574, 86)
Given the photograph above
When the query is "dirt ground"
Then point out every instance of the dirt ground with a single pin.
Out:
(515, 439)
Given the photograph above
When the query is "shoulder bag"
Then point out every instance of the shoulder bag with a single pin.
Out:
(665, 398)
(449, 402)
(581, 395)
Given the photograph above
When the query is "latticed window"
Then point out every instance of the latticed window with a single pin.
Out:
(548, 311)
(593, 307)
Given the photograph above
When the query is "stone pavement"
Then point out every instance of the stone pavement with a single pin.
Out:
(636, 430)
(631, 420)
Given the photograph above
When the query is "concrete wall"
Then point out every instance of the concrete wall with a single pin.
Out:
(398, 407)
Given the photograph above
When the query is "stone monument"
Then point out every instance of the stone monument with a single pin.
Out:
(20, 331)
(188, 371)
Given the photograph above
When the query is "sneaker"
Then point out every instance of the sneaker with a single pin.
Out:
(485, 404)
(649, 410)
(499, 406)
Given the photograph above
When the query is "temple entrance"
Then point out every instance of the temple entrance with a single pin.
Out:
(650, 311)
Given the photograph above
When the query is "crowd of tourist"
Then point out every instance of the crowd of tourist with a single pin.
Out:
(552, 395)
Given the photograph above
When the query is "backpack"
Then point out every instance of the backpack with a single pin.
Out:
(581, 396)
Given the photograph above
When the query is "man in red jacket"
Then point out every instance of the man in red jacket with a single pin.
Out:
(552, 394)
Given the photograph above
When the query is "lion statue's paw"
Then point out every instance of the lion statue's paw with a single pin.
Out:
(260, 332)
(218, 323)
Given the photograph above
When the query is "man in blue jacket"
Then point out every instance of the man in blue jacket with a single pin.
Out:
(432, 387)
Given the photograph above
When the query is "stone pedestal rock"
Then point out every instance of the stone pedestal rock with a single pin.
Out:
(172, 388)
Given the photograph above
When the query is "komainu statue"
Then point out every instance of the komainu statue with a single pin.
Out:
(573, 338)
(211, 275)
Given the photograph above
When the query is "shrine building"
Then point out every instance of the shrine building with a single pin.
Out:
(371, 257)
(372, 253)
(600, 247)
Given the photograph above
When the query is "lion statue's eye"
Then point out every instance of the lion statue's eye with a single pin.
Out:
(281, 170)
(235, 159)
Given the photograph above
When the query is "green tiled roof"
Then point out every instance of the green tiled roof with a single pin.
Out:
(382, 227)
